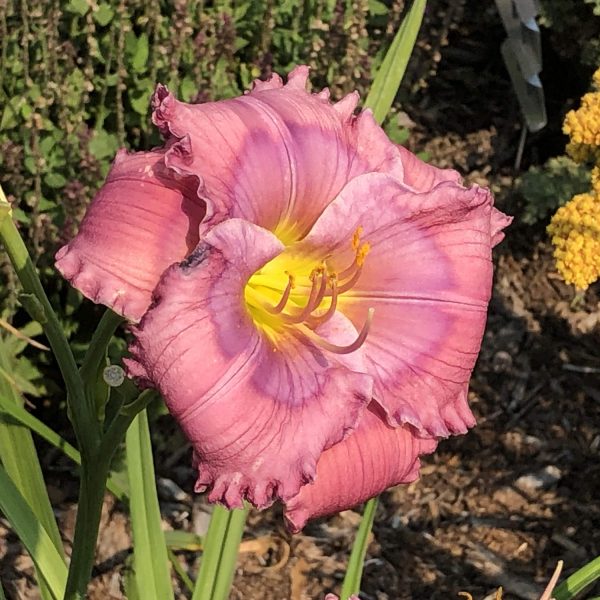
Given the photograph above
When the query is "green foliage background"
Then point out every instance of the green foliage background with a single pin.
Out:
(76, 79)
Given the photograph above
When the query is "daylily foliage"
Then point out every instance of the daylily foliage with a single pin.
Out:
(308, 297)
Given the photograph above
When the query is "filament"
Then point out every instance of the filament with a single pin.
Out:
(312, 301)
(358, 342)
(319, 320)
(275, 310)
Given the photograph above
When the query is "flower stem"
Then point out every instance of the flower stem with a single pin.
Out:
(578, 581)
(82, 410)
(220, 553)
(91, 495)
(353, 575)
(94, 474)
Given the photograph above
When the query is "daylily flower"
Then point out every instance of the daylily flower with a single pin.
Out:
(310, 297)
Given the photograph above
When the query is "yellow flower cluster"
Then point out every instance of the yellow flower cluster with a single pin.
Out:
(583, 126)
(575, 231)
(575, 228)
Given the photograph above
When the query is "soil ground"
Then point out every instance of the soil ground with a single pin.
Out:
(497, 507)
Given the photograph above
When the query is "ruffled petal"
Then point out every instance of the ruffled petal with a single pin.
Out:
(143, 219)
(423, 177)
(428, 278)
(258, 415)
(372, 459)
(276, 156)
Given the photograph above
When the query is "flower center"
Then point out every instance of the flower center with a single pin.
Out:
(296, 295)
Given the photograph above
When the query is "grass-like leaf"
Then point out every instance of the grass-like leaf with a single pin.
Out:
(577, 582)
(389, 76)
(353, 575)
(221, 546)
(20, 460)
(9, 410)
(150, 558)
(49, 563)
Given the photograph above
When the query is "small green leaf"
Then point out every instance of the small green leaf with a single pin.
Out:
(188, 89)
(77, 7)
(103, 16)
(141, 103)
(140, 58)
(55, 180)
(103, 144)
(377, 8)
(11, 113)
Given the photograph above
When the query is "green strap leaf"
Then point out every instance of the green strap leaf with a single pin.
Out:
(353, 575)
(219, 558)
(577, 582)
(22, 416)
(32, 534)
(20, 460)
(389, 77)
(150, 558)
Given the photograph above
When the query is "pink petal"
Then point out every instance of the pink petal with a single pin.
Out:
(370, 460)
(258, 415)
(276, 156)
(428, 277)
(142, 220)
(422, 176)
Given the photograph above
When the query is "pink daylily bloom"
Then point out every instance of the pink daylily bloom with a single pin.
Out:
(309, 297)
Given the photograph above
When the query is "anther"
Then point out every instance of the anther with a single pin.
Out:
(361, 253)
(356, 237)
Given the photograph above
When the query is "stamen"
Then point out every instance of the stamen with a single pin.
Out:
(349, 270)
(349, 283)
(316, 321)
(356, 237)
(360, 340)
(311, 304)
(359, 259)
(275, 310)
(361, 253)
(322, 289)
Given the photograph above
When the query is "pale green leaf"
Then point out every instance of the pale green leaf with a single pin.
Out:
(150, 558)
(389, 77)
(33, 536)
(140, 57)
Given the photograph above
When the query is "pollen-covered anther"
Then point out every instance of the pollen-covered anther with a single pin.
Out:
(356, 237)
(354, 270)
(361, 253)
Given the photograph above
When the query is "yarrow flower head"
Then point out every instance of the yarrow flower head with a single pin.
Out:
(308, 297)
(575, 231)
(583, 126)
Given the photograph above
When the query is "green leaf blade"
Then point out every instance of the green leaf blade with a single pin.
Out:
(33, 535)
(150, 558)
(390, 74)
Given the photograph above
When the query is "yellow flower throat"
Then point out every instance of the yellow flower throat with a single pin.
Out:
(298, 294)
